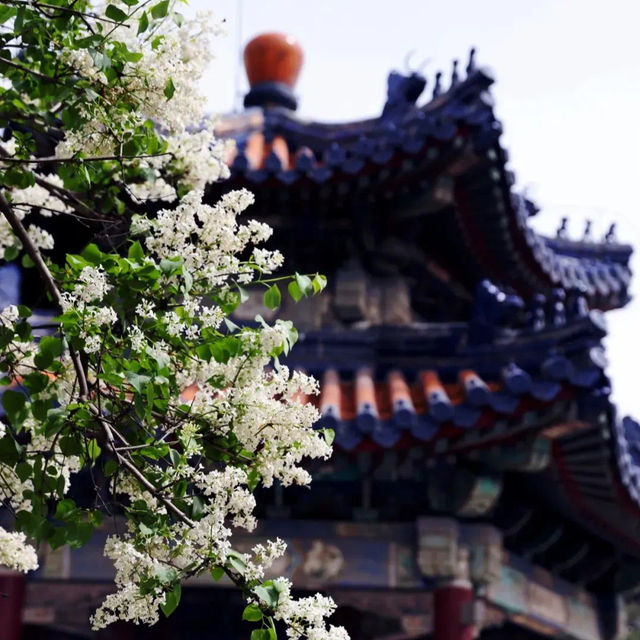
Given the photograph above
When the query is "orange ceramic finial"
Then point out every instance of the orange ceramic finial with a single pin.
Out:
(273, 62)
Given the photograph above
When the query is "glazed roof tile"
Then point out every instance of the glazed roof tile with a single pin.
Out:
(363, 407)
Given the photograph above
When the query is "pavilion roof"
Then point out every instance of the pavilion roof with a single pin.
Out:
(414, 149)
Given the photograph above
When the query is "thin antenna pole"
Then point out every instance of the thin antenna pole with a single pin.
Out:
(237, 96)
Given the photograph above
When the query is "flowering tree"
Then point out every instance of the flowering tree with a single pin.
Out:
(174, 413)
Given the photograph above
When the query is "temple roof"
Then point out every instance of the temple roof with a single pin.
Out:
(513, 379)
(446, 151)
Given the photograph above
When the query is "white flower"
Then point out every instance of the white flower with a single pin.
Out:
(41, 239)
(15, 553)
(137, 339)
(173, 323)
(41, 198)
(9, 315)
(92, 344)
(92, 286)
(146, 309)
(102, 316)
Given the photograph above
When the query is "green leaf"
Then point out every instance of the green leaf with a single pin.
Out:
(66, 509)
(169, 89)
(13, 403)
(143, 22)
(217, 573)
(51, 345)
(93, 254)
(136, 252)
(272, 629)
(160, 10)
(50, 348)
(252, 613)
(136, 380)
(10, 450)
(268, 594)
(318, 283)
(237, 562)
(188, 280)
(36, 382)
(172, 600)
(304, 283)
(294, 290)
(329, 436)
(23, 312)
(93, 449)
(71, 446)
(272, 297)
(197, 507)
(110, 467)
(11, 253)
(244, 295)
(253, 477)
(169, 267)
(27, 262)
(114, 13)
(23, 471)
(260, 634)
(176, 458)
(6, 13)
(166, 575)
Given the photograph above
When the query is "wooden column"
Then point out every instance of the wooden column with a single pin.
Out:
(453, 611)
(12, 590)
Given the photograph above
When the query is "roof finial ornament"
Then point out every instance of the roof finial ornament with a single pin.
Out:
(454, 74)
(586, 236)
(471, 65)
(437, 87)
(610, 236)
(273, 62)
(562, 229)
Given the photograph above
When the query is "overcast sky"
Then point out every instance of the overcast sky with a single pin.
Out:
(567, 92)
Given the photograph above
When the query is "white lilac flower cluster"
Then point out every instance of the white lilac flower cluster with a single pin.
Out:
(263, 557)
(37, 197)
(9, 315)
(16, 553)
(305, 617)
(176, 56)
(228, 503)
(92, 286)
(208, 239)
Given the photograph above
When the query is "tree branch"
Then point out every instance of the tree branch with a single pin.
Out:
(55, 160)
(49, 283)
(51, 286)
(33, 72)
(64, 194)
(75, 12)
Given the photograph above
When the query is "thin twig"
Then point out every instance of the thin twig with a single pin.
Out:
(53, 159)
(75, 12)
(33, 72)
